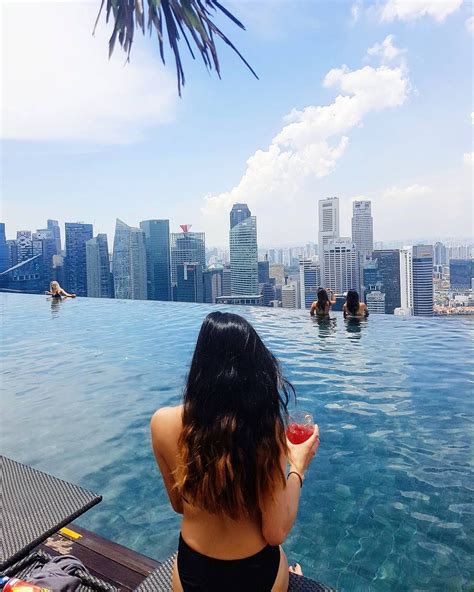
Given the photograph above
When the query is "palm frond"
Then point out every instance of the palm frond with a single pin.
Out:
(180, 17)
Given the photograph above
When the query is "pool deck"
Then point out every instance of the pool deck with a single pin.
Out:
(109, 561)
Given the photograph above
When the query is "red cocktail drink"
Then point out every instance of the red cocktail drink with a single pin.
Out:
(300, 427)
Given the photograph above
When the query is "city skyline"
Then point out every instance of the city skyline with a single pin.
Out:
(354, 125)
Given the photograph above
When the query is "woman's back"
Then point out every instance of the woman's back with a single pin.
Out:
(215, 535)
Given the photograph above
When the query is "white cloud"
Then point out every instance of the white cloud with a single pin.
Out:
(58, 83)
(356, 10)
(410, 10)
(309, 146)
(468, 158)
(470, 25)
(385, 51)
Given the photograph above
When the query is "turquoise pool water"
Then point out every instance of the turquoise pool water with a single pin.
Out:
(388, 502)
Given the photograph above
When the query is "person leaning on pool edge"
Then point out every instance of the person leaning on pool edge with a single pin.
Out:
(223, 455)
(55, 291)
(353, 307)
(322, 305)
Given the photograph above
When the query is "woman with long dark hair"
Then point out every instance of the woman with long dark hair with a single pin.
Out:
(322, 305)
(223, 457)
(353, 307)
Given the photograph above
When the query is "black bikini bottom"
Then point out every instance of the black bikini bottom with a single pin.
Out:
(200, 573)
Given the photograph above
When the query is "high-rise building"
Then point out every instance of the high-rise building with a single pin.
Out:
(341, 265)
(157, 241)
(406, 281)
(277, 271)
(212, 283)
(388, 268)
(186, 247)
(263, 271)
(244, 258)
(239, 212)
(461, 272)
(289, 295)
(53, 226)
(362, 234)
(226, 282)
(416, 280)
(440, 254)
(99, 278)
(375, 301)
(129, 262)
(189, 286)
(310, 281)
(44, 244)
(24, 245)
(77, 234)
(423, 280)
(4, 254)
(363, 227)
(12, 253)
(328, 228)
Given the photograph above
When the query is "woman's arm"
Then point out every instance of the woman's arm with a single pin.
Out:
(279, 512)
(366, 310)
(332, 300)
(64, 293)
(163, 433)
(344, 310)
(312, 310)
(48, 293)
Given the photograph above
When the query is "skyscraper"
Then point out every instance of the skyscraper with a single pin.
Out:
(244, 257)
(376, 302)
(423, 280)
(99, 278)
(24, 245)
(186, 247)
(328, 228)
(440, 254)
(362, 234)
(54, 227)
(189, 282)
(310, 281)
(406, 280)
(416, 280)
(263, 272)
(157, 241)
(4, 255)
(289, 296)
(363, 227)
(212, 283)
(341, 265)
(239, 212)
(129, 262)
(461, 272)
(44, 244)
(77, 234)
(388, 269)
(27, 276)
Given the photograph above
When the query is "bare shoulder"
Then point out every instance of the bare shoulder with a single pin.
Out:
(166, 421)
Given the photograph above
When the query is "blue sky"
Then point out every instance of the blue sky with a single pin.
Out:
(354, 99)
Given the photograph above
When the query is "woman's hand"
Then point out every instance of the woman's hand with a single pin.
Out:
(300, 455)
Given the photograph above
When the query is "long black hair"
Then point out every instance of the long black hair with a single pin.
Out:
(323, 299)
(352, 301)
(235, 410)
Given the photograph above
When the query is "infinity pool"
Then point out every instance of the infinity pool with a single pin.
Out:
(388, 502)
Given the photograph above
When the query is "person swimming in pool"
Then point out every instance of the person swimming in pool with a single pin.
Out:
(322, 305)
(223, 457)
(55, 291)
(353, 307)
